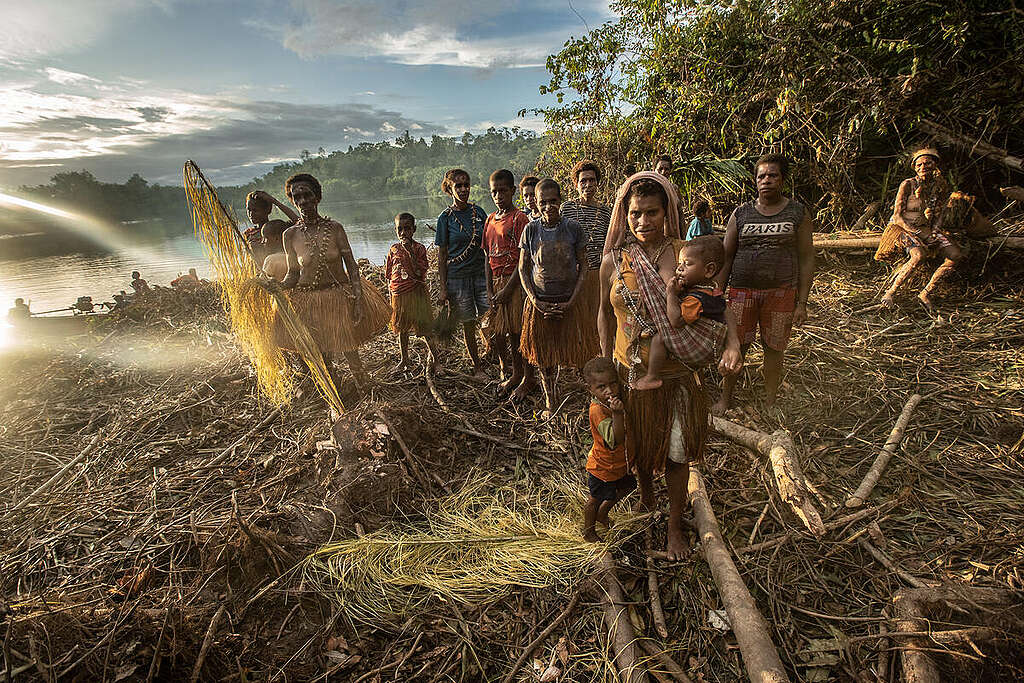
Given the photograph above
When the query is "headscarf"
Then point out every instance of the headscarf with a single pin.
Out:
(925, 152)
(618, 230)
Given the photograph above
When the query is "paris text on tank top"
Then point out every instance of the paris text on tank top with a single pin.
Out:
(766, 254)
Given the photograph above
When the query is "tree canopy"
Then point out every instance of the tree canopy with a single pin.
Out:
(843, 87)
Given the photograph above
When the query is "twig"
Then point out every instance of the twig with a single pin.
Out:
(207, 640)
(891, 444)
(884, 560)
(528, 650)
(657, 612)
(49, 483)
(670, 664)
(829, 526)
(414, 463)
(226, 453)
(156, 648)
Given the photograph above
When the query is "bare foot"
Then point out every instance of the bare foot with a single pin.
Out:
(888, 302)
(646, 383)
(926, 301)
(720, 407)
(506, 387)
(546, 414)
(677, 548)
(590, 536)
(605, 522)
(523, 390)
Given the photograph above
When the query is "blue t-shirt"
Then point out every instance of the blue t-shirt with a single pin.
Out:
(462, 232)
(553, 255)
(698, 227)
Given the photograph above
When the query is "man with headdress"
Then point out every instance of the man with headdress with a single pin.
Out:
(917, 226)
(665, 426)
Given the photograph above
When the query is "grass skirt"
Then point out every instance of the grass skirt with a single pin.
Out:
(590, 302)
(649, 417)
(558, 343)
(411, 311)
(328, 315)
(505, 319)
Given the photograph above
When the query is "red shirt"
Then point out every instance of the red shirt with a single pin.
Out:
(501, 241)
(607, 464)
(403, 270)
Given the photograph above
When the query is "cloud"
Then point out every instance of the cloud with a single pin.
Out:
(481, 35)
(43, 27)
(118, 128)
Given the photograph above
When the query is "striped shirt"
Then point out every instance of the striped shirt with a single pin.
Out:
(595, 221)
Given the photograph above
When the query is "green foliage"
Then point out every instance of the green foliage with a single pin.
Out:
(133, 200)
(838, 85)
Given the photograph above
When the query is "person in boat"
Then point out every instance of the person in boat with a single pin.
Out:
(460, 260)
(918, 215)
(552, 270)
(265, 234)
(139, 286)
(665, 427)
(769, 266)
(19, 312)
(189, 280)
(339, 307)
(503, 323)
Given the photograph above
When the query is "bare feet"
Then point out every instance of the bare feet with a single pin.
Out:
(646, 383)
(720, 407)
(523, 390)
(677, 548)
(926, 301)
(506, 387)
(604, 521)
(590, 536)
(888, 302)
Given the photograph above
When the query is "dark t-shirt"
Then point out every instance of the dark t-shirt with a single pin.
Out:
(463, 233)
(553, 253)
(766, 254)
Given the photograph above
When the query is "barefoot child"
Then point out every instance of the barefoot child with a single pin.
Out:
(692, 296)
(608, 476)
(406, 272)
(504, 321)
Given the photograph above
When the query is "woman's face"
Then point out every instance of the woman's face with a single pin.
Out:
(586, 184)
(925, 165)
(460, 189)
(769, 179)
(647, 218)
(304, 198)
(550, 202)
(258, 213)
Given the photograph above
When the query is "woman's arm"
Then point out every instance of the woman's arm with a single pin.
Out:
(605, 312)
(352, 268)
(901, 204)
(285, 209)
(291, 258)
(581, 274)
(732, 241)
(525, 269)
(805, 257)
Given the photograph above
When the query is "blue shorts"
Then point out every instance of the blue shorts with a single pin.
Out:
(468, 296)
(610, 490)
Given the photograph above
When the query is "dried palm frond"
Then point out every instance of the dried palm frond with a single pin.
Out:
(250, 306)
(475, 547)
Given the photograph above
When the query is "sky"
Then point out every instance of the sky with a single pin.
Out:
(118, 87)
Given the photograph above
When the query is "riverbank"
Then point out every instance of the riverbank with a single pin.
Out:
(169, 546)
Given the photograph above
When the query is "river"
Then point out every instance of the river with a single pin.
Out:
(52, 282)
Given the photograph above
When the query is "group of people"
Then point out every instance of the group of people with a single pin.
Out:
(623, 293)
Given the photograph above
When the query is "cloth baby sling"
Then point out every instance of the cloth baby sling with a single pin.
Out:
(695, 345)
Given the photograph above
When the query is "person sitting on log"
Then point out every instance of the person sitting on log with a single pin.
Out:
(552, 269)
(608, 476)
(265, 235)
(695, 309)
(405, 269)
(339, 307)
(917, 227)
(769, 266)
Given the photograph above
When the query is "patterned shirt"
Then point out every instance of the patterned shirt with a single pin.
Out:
(595, 221)
(501, 241)
(403, 270)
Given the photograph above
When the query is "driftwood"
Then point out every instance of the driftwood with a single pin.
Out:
(621, 634)
(789, 476)
(863, 491)
(760, 656)
(872, 242)
(972, 146)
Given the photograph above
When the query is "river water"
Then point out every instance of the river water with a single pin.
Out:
(52, 282)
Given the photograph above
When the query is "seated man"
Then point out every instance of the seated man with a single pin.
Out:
(140, 286)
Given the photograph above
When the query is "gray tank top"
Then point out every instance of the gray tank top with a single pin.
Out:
(766, 255)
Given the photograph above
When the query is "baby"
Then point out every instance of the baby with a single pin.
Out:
(691, 295)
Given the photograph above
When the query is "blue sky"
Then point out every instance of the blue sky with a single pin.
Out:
(124, 86)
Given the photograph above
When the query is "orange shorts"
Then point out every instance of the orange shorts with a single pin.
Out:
(769, 309)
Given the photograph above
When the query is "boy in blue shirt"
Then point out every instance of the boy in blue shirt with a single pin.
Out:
(701, 224)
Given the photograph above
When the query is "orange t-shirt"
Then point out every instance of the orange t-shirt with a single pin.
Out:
(605, 463)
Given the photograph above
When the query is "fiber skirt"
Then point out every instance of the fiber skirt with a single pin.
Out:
(507, 318)
(590, 302)
(667, 423)
(566, 342)
(411, 311)
(327, 313)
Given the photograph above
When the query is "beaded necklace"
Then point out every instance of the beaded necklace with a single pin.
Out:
(473, 238)
(317, 247)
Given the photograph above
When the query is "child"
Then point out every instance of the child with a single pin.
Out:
(504, 321)
(527, 188)
(608, 476)
(691, 296)
(406, 272)
(552, 270)
(701, 223)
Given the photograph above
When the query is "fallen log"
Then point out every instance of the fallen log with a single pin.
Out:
(872, 242)
(621, 634)
(789, 476)
(863, 491)
(974, 146)
(760, 656)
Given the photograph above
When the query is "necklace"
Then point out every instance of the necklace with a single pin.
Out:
(317, 246)
(473, 241)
